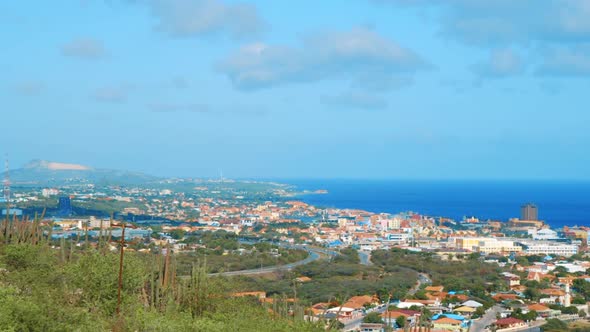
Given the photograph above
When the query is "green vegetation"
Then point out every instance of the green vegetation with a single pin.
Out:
(235, 261)
(472, 275)
(401, 321)
(373, 317)
(223, 252)
(40, 203)
(335, 280)
(583, 288)
(556, 325)
(48, 286)
(107, 207)
(529, 316)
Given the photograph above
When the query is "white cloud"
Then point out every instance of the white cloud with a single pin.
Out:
(350, 55)
(188, 18)
(566, 62)
(502, 63)
(536, 25)
(503, 22)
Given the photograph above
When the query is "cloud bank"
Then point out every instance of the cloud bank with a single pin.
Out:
(355, 55)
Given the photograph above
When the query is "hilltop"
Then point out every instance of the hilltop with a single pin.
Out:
(43, 172)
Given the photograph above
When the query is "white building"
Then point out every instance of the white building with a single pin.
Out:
(394, 223)
(399, 237)
(543, 234)
(487, 245)
(549, 248)
(572, 268)
(48, 192)
(490, 246)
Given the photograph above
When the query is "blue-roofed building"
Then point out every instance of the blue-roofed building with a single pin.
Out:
(335, 244)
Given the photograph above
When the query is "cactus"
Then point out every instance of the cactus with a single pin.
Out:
(62, 247)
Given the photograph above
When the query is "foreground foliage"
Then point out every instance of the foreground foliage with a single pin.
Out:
(64, 286)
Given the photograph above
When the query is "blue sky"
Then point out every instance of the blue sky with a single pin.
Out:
(415, 89)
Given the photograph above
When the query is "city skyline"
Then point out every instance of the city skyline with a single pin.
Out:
(373, 89)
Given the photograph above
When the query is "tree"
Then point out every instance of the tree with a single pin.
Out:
(532, 293)
(554, 325)
(401, 321)
(337, 325)
(560, 271)
(421, 295)
(177, 234)
(523, 261)
(578, 300)
(571, 310)
(530, 316)
(474, 256)
(582, 287)
(479, 312)
(373, 317)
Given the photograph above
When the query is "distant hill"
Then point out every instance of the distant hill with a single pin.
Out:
(42, 172)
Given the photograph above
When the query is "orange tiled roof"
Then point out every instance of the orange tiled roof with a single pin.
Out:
(500, 297)
(447, 321)
(552, 292)
(434, 288)
(538, 307)
(357, 302)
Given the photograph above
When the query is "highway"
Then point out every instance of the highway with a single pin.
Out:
(314, 254)
(354, 324)
(423, 278)
(487, 319)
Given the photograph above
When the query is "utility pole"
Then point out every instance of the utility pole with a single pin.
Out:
(120, 286)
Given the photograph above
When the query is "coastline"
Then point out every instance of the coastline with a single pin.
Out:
(560, 203)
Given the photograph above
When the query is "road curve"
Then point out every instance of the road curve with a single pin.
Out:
(314, 254)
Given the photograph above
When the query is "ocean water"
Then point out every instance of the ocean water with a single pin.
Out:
(559, 203)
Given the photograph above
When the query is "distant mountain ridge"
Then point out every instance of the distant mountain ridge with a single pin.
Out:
(43, 172)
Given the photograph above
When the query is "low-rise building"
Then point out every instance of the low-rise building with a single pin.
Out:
(548, 248)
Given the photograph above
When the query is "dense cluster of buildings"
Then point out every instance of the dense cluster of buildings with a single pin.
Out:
(223, 206)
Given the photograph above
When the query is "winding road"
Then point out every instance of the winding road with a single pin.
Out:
(314, 254)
